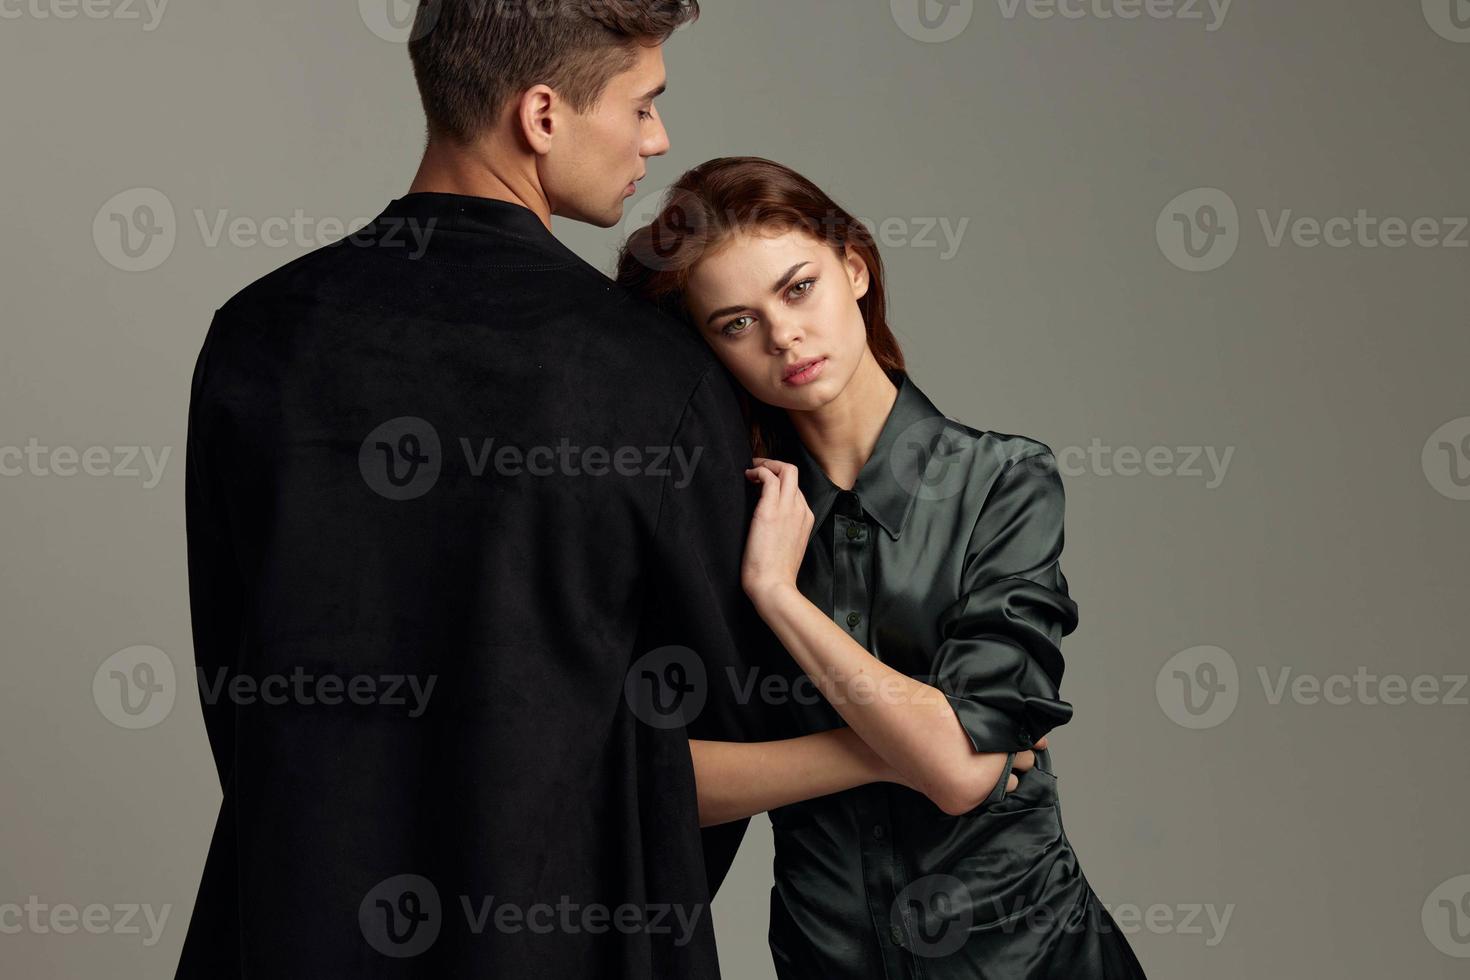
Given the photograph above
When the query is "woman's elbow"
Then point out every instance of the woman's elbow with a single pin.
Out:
(966, 782)
(947, 789)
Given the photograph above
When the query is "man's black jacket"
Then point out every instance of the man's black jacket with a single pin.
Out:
(465, 522)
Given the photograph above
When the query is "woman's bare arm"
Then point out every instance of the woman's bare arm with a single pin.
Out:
(907, 722)
(738, 779)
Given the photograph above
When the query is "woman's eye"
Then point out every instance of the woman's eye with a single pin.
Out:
(809, 283)
(730, 330)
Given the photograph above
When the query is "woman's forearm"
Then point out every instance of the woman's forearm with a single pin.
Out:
(739, 779)
(908, 723)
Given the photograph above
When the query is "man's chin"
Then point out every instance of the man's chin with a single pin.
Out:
(598, 219)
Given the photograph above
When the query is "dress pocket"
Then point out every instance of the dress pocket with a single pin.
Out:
(1035, 788)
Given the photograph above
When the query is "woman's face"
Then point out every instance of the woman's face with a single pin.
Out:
(772, 301)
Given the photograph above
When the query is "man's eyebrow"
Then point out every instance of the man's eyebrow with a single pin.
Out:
(726, 310)
(655, 93)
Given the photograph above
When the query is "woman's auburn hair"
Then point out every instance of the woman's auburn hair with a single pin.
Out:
(715, 200)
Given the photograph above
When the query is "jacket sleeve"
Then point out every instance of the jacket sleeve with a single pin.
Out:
(999, 661)
(216, 593)
(695, 577)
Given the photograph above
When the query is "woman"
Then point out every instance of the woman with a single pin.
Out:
(916, 818)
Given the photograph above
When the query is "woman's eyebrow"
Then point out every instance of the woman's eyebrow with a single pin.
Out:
(726, 310)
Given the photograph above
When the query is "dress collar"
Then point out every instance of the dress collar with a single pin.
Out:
(893, 475)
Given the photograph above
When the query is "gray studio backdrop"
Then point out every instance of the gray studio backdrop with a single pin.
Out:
(1215, 255)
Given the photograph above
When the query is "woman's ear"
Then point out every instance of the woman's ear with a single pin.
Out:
(857, 272)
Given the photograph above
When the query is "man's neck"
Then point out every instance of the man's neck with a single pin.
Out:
(477, 171)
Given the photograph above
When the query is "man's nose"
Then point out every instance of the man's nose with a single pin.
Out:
(658, 144)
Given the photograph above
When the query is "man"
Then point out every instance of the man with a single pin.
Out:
(454, 499)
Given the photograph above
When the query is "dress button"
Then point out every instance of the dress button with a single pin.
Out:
(878, 830)
(854, 618)
(853, 532)
(896, 934)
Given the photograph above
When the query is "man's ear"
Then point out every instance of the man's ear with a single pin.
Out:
(535, 114)
(857, 273)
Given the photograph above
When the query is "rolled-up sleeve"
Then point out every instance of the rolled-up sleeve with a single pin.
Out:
(999, 661)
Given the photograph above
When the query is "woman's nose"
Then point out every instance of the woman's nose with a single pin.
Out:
(785, 332)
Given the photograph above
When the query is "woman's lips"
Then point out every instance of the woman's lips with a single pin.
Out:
(807, 374)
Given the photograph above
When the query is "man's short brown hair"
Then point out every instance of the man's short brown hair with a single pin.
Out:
(471, 57)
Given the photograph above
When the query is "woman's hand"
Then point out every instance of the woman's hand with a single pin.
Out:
(983, 771)
(779, 530)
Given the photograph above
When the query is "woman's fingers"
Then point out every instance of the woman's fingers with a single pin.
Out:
(787, 476)
(770, 486)
(763, 475)
(1012, 782)
(1024, 761)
